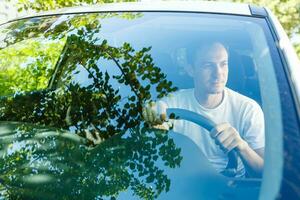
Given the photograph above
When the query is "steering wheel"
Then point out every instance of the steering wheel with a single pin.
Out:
(231, 167)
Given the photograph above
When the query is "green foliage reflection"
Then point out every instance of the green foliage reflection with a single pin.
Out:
(28, 65)
(43, 163)
(56, 162)
(97, 107)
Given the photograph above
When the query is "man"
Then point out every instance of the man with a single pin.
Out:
(240, 121)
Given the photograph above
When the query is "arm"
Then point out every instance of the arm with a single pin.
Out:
(228, 138)
(253, 160)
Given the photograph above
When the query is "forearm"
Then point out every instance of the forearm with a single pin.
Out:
(252, 161)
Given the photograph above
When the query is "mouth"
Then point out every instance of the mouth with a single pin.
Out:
(217, 83)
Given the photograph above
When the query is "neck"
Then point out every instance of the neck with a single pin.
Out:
(209, 100)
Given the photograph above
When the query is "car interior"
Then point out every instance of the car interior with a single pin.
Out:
(170, 51)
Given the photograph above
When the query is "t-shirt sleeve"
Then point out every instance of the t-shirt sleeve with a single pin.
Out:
(254, 127)
(172, 100)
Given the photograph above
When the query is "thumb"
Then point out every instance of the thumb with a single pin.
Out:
(161, 109)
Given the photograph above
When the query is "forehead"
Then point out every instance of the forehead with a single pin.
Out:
(212, 52)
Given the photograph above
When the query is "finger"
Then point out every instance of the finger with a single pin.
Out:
(158, 120)
(162, 110)
(223, 135)
(88, 135)
(150, 115)
(154, 113)
(152, 104)
(97, 135)
(163, 126)
(154, 116)
(144, 114)
(233, 144)
(218, 129)
(228, 144)
(98, 139)
(163, 117)
(227, 137)
(219, 140)
(229, 132)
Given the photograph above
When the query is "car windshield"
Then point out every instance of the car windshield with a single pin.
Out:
(73, 88)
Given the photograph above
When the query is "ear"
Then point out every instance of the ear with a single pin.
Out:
(190, 70)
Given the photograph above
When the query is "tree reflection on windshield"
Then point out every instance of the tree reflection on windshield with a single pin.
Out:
(50, 163)
(54, 162)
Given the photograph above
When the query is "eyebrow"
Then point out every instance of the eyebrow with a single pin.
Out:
(210, 62)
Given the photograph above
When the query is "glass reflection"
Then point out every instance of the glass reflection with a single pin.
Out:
(50, 163)
(53, 158)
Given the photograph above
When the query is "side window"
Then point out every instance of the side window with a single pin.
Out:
(28, 65)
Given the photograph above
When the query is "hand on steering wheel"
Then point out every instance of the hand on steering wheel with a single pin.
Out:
(155, 114)
(208, 124)
(227, 137)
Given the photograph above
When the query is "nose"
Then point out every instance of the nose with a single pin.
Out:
(218, 70)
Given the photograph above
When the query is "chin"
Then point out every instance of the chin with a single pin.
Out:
(216, 90)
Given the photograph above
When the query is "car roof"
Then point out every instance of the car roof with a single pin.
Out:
(154, 6)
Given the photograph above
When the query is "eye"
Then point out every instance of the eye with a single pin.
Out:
(224, 64)
(207, 65)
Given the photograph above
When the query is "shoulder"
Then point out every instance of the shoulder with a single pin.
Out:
(241, 101)
(239, 98)
(180, 97)
(182, 94)
(184, 91)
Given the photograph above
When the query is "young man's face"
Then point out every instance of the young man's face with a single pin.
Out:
(210, 70)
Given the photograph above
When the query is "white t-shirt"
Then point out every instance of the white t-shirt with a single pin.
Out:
(243, 113)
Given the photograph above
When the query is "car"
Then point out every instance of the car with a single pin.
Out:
(74, 83)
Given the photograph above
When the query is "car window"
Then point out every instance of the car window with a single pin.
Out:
(27, 69)
(78, 85)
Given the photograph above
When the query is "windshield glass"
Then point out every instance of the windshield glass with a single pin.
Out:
(75, 90)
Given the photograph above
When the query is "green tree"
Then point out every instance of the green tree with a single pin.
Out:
(287, 12)
(29, 70)
(42, 5)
